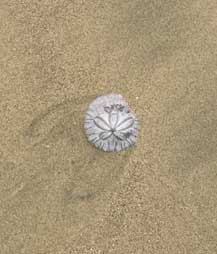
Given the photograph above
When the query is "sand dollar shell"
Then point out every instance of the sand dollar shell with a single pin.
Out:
(109, 123)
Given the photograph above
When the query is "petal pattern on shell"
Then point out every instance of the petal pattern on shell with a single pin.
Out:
(125, 124)
(113, 119)
(101, 123)
(105, 135)
(119, 135)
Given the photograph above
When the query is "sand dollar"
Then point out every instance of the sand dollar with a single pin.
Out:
(110, 124)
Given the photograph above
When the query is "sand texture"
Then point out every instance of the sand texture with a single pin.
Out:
(60, 195)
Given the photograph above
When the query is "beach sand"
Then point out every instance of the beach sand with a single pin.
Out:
(60, 195)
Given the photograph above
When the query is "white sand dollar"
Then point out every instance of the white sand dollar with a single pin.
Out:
(109, 123)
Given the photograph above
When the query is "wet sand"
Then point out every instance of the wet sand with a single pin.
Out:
(60, 195)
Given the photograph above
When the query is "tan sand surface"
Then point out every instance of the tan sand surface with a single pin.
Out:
(60, 195)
